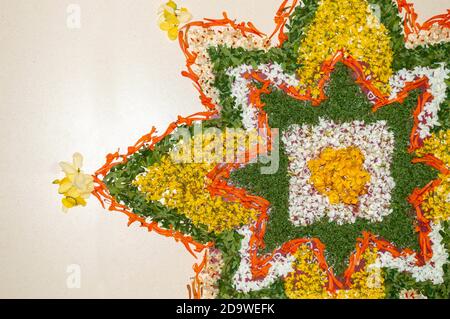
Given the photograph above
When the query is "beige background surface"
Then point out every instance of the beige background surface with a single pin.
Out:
(91, 90)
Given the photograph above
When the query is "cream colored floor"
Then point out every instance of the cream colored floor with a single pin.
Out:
(91, 90)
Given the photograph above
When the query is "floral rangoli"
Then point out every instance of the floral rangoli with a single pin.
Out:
(343, 187)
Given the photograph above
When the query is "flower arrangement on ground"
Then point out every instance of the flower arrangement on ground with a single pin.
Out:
(355, 92)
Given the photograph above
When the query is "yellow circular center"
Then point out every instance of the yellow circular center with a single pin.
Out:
(339, 174)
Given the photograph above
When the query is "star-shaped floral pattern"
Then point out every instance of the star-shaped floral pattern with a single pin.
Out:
(249, 80)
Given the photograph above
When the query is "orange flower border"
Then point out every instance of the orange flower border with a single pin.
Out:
(219, 175)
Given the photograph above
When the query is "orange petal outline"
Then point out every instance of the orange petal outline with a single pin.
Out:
(219, 187)
(410, 23)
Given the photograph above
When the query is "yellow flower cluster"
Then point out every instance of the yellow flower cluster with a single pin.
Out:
(308, 280)
(170, 17)
(348, 25)
(436, 204)
(339, 174)
(368, 282)
(438, 145)
(218, 146)
(183, 186)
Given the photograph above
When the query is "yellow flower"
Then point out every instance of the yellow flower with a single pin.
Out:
(339, 174)
(350, 26)
(368, 282)
(75, 186)
(170, 17)
(437, 144)
(436, 204)
(308, 280)
(184, 186)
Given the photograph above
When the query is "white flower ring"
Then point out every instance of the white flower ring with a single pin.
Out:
(304, 143)
(428, 118)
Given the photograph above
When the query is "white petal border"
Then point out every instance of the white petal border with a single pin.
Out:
(305, 142)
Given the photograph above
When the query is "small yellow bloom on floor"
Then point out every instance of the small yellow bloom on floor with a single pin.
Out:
(170, 18)
(76, 186)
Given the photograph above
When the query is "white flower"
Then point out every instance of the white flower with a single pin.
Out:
(243, 279)
(184, 15)
(432, 270)
(436, 34)
(436, 79)
(240, 88)
(201, 39)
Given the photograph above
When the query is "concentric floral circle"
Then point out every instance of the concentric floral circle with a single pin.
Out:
(306, 142)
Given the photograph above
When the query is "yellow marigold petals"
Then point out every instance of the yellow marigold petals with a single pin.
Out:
(339, 174)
